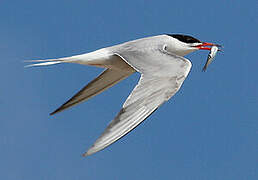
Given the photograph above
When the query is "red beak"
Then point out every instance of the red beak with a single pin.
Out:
(204, 45)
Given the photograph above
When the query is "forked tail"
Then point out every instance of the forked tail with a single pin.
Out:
(99, 58)
(46, 62)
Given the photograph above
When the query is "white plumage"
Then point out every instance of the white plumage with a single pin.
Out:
(162, 67)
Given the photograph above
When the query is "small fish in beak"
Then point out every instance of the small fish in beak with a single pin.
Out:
(211, 55)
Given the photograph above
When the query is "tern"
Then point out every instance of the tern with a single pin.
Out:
(163, 68)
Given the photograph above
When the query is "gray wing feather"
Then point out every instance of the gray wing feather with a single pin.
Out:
(105, 80)
(162, 76)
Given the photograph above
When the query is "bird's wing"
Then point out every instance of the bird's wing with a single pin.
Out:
(106, 79)
(162, 76)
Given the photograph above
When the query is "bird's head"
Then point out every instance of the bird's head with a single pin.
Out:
(184, 44)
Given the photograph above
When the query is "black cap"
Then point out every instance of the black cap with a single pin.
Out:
(185, 38)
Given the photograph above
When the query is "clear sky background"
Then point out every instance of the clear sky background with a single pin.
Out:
(207, 131)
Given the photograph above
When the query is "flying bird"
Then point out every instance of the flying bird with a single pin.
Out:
(159, 60)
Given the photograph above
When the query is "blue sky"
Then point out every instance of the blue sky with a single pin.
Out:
(208, 130)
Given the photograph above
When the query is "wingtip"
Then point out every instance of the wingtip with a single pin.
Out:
(85, 154)
(54, 112)
(88, 153)
(51, 114)
(61, 108)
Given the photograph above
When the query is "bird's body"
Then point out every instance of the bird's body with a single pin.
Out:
(163, 69)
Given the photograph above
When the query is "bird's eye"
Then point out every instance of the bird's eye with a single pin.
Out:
(165, 47)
